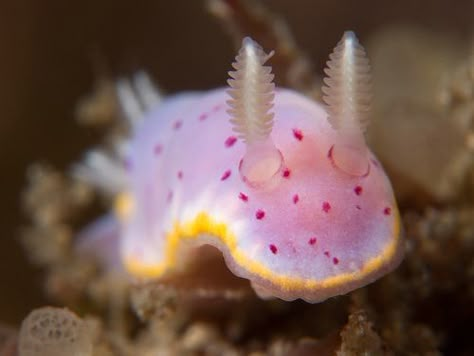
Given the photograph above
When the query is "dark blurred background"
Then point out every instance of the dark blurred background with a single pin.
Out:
(52, 51)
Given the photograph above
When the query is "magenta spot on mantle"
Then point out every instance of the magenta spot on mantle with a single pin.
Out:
(327, 254)
(177, 124)
(229, 142)
(358, 190)
(312, 241)
(169, 196)
(180, 174)
(326, 207)
(273, 248)
(226, 174)
(330, 154)
(335, 260)
(286, 173)
(202, 117)
(158, 149)
(127, 164)
(298, 134)
(387, 211)
(358, 207)
(296, 198)
(259, 214)
(243, 197)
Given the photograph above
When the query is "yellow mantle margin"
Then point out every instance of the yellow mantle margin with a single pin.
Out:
(205, 224)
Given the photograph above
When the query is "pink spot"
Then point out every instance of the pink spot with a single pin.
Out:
(387, 211)
(327, 254)
(286, 173)
(180, 174)
(229, 142)
(330, 153)
(273, 248)
(177, 124)
(169, 196)
(374, 162)
(296, 198)
(335, 260)
(358, 190)
(202, 117)
(226, 174)
(127, 164)
(358, 207)
(326, 207)
(298, 134)
(216, 108)
(158, 149)
(312, 241)
(259, 214)
(243, 197)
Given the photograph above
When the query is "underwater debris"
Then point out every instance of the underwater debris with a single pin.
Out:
(359, 338)
(419, 141)
(242, 18)
(438, 270)
(99, 107)
(205, 284)
(52, 202)
(456, 98)
(8, 341)
(51, 198)
(456, 95)
(52, 331)
(442, 247)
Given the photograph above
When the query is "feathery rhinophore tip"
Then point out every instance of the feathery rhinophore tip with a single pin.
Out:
(252, 92)
(347, 89)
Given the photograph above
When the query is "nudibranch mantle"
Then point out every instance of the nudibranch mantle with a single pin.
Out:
(314, 233)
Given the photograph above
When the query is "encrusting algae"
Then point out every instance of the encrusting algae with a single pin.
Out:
(425, 307)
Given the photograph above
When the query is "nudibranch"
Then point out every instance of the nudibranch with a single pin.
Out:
(284, 187)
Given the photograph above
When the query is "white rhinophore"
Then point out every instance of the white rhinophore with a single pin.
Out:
(252, 93)
(347, 93)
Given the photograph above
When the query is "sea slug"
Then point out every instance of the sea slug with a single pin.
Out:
(284, 187)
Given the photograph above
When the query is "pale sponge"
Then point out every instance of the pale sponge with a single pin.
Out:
(52, 331)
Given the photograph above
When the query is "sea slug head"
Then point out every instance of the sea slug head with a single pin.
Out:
(329, 224)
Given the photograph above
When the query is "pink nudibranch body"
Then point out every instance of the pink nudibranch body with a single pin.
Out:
(311, 231)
